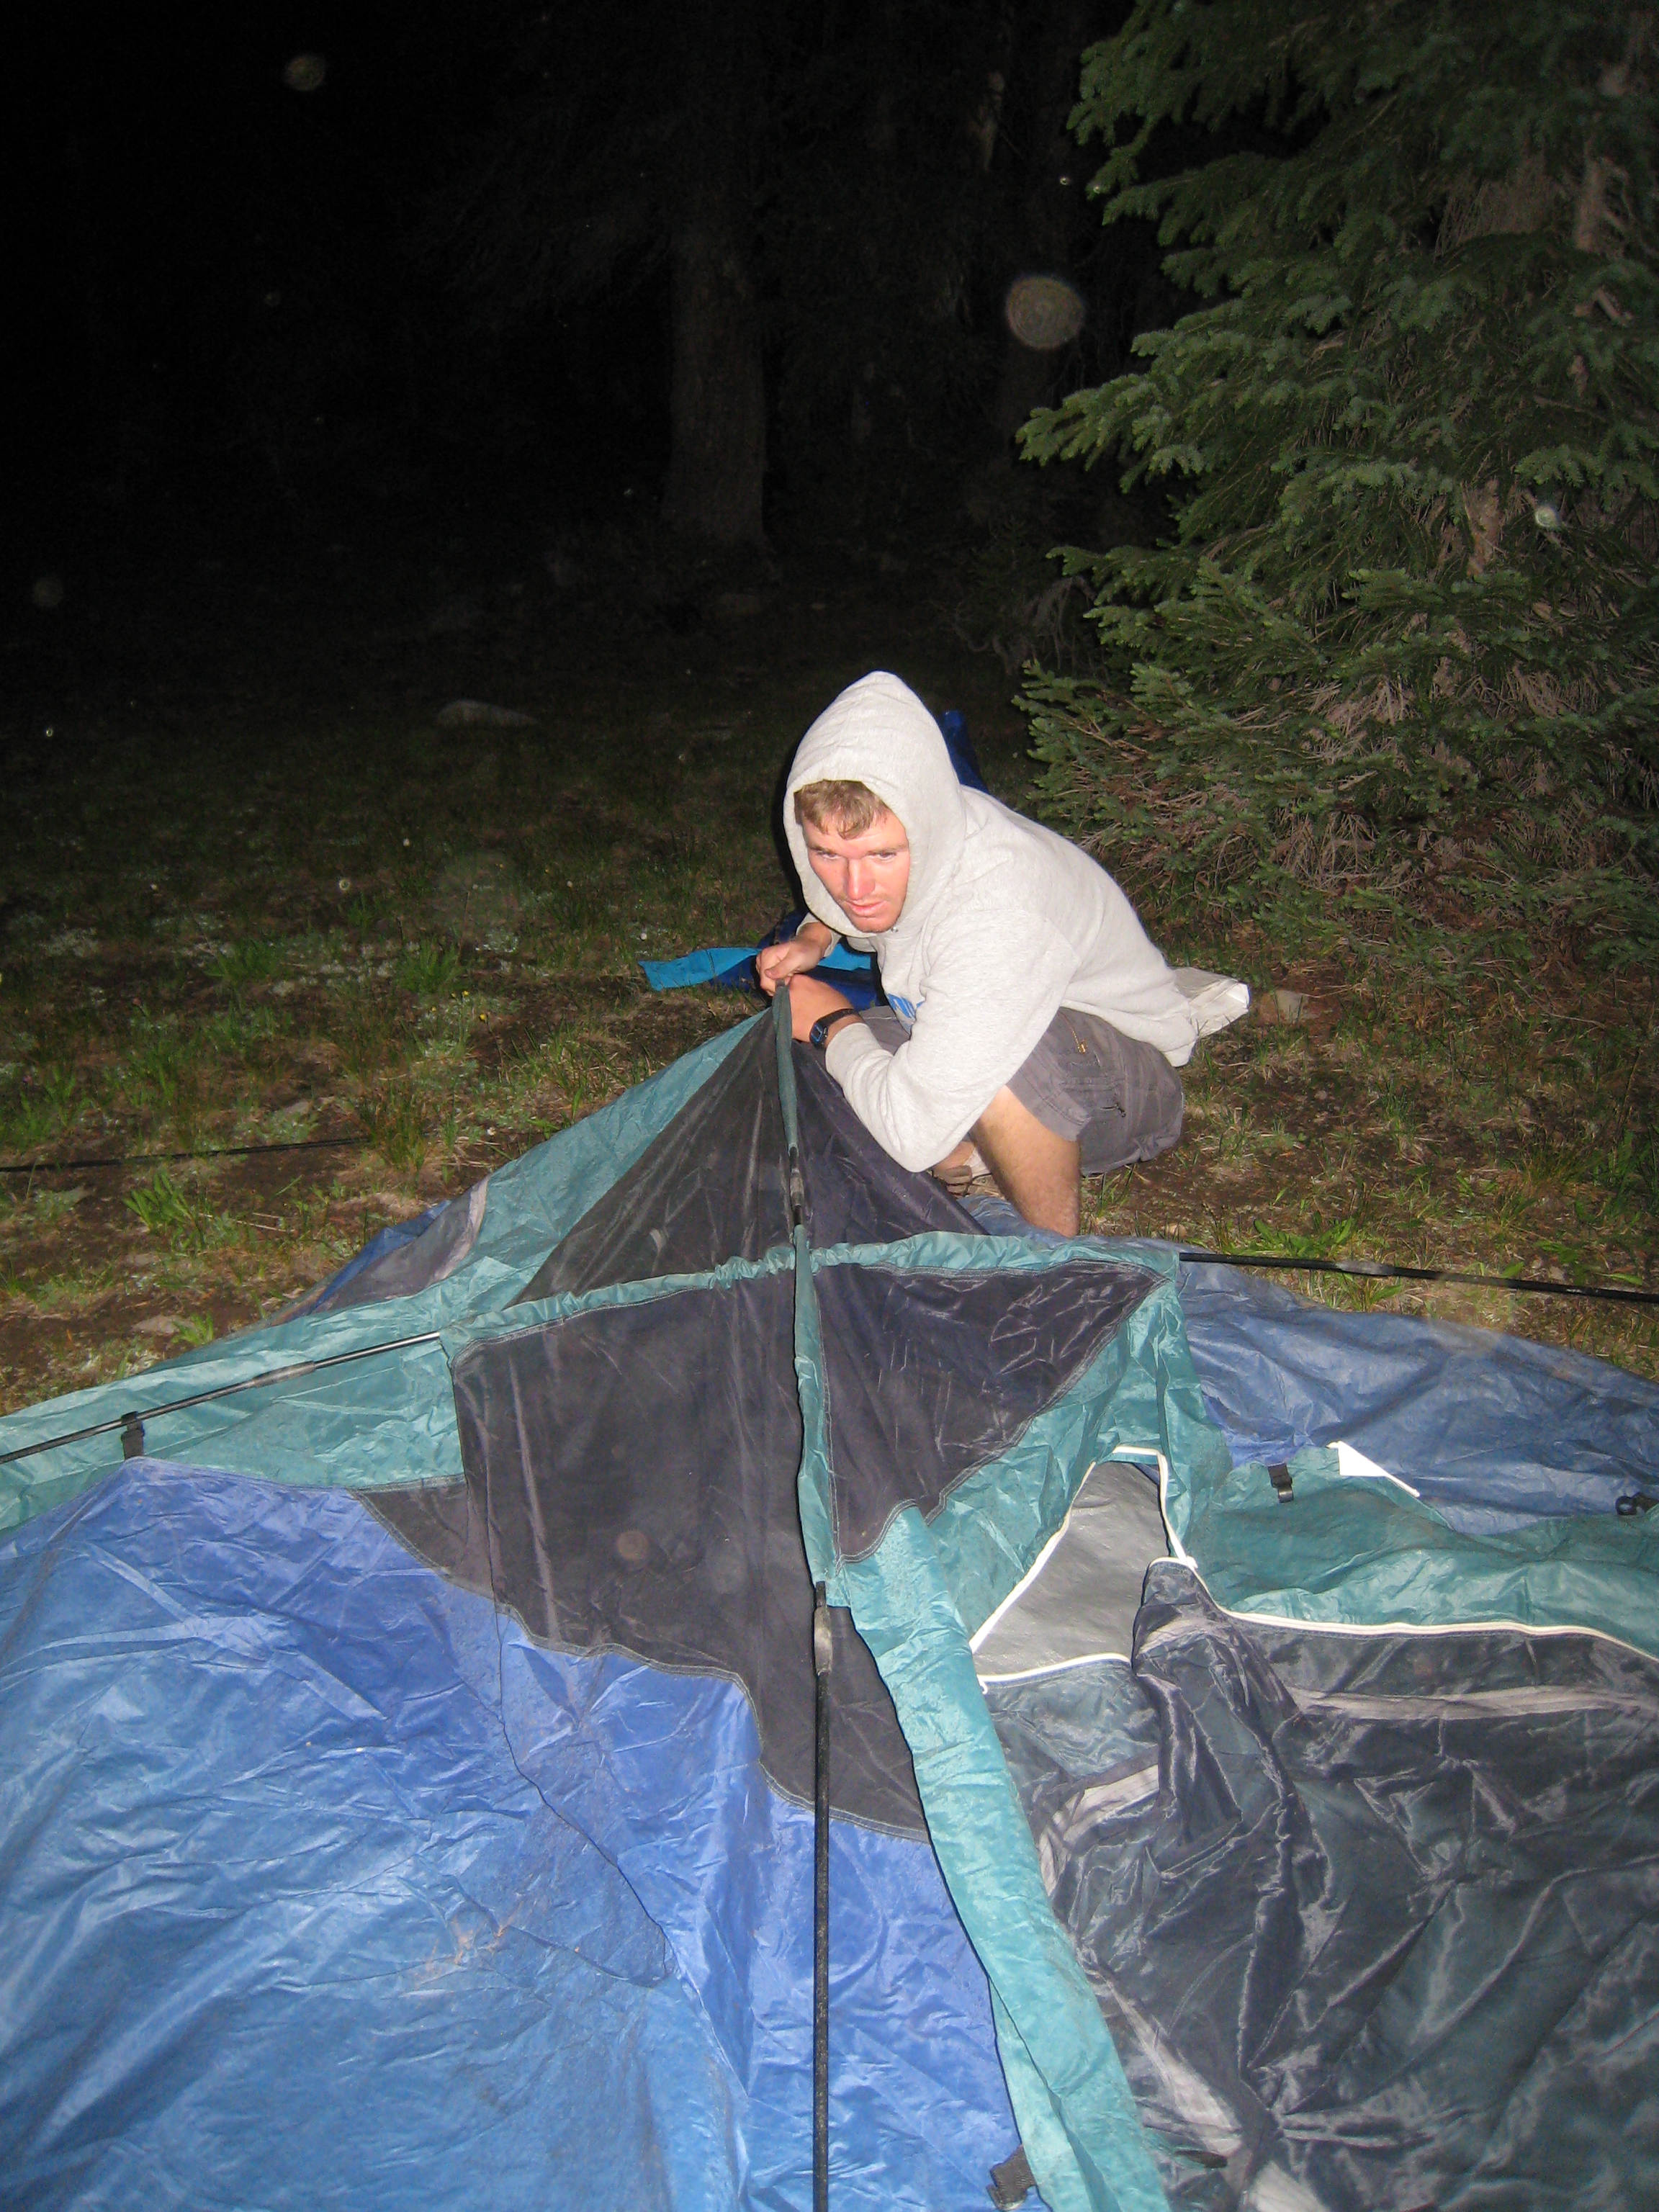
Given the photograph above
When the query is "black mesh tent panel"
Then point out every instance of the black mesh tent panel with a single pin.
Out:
(631, 1467)
(855, 1193)
(631, 1487)
(711, 1187)
(714, 1186)
(929, 1375)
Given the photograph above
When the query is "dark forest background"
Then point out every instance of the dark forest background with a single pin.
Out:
(1350, 448)
(745, 263)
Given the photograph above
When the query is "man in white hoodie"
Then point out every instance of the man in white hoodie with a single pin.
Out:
(1032, 1020)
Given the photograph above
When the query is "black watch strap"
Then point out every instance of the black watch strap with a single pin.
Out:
(819, 1032)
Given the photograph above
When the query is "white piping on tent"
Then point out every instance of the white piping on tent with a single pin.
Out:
(1060, 1667)
(1350, 1463)
(1137, 1453)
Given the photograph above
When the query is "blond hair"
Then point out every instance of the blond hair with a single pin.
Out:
(847, 809)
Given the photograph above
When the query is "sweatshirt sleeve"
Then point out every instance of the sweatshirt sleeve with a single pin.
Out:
(988, 998)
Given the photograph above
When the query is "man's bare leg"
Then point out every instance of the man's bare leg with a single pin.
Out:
(1038, 1170)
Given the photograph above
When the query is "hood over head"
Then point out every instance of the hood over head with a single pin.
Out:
(878, 733)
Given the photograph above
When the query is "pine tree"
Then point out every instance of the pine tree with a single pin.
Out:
(1404, 620)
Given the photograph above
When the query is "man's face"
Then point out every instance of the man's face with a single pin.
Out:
(866, 876)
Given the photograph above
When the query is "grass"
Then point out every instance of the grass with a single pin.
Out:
(394, 1120)
(428, 971)
(164, 1209)
(258, 913)
(240, 966)
(1463, 1112)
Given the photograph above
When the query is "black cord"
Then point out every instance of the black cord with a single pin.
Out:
(1371, 1270)
(202, 1152)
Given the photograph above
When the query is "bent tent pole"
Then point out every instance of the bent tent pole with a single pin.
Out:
(131, 1423)
(822, 1660)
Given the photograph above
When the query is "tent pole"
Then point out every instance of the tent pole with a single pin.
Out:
(823, 1657)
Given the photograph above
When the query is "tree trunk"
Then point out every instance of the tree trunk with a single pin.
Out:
(1049, 210)
(717, 396)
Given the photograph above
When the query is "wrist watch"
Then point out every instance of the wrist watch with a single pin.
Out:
(819, 1032)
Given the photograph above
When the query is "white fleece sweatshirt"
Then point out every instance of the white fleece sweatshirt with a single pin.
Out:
(1003, 923)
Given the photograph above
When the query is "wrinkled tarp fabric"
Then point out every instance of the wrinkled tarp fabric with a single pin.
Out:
(1485, 1427)
(381, 1250)
(1345, 1554)
(408, 1255)
(1081, 1603)
(1358, 1550)
(1491, 1429)
(631, 1469)
(915, 1599)
(1373, 1917)
(1077, 2120)
(627, 1437)
(325, 1885)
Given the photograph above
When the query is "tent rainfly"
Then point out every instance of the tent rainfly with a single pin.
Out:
(407, 1748)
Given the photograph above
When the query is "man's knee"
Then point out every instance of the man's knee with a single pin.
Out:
(1036, 1168)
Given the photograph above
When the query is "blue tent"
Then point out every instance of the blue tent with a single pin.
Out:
(1242, 1785)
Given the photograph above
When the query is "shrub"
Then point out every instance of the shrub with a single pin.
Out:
(1407, 618)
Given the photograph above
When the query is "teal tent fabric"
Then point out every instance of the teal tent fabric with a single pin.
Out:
(379, 1420)
(1077, 2117)
(1360, 1550)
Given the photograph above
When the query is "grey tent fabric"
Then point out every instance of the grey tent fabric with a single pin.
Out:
(1080, 1600)
(1375, 1918)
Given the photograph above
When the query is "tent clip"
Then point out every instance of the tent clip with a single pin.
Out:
(797, 1190)
(132, 1436)
(1011, 2182)
(1634, 1501)
(1280, 1475)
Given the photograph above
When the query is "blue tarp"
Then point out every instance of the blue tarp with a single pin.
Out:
(733, 965)
(1493, 1431)
(1489, 1428)
(325, 1885)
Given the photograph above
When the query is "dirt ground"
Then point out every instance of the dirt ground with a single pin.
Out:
(260, 890)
